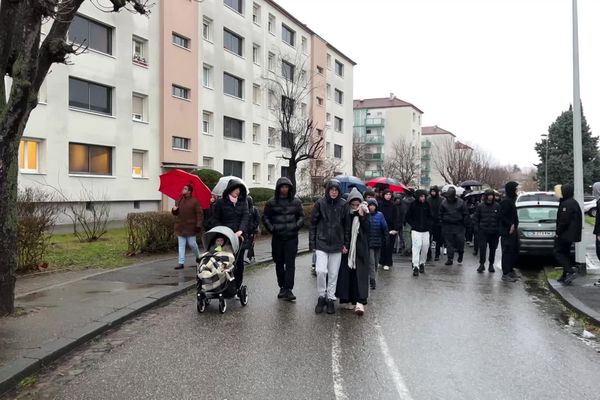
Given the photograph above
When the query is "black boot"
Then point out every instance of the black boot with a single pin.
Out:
(289, 295)
(281, 293)
(415, 271)
(180, 266)
(562, 277)
(492, 269)
(481, 268)
(422, 268)
(449, 262)
(320, 305)
(330, 307)
(373, 284)
(460, 258)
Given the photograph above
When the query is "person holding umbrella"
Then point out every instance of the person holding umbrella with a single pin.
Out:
(188, 222)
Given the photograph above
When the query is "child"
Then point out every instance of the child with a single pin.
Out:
(378, 234)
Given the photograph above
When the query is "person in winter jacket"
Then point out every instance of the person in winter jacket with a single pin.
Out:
(420, 219)
(326, 238)
(596, 193)
(188, 222)
(568, 231)
(453, 217)
(486, 221)
(231, 210)
(509, 232)
(405, 228)
(207, 213)
(353, 279)
(253, 225)
(378, 236)
(390, 213)
(435, 201)
(284, 217)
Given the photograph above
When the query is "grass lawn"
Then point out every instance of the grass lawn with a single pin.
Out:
(66, 252)
(590, 220)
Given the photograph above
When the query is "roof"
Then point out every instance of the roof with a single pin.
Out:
(435, 130)
(383, 102)
(462, 146)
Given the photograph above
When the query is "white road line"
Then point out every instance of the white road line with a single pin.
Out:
(336, 367)
(401, 387)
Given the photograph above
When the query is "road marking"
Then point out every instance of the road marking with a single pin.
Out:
(336, 366)
(401, 387)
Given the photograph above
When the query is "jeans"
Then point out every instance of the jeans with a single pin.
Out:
(486, 239)
(190, 241)
(420, 245)
(374, 255)
(284, 255)
(510, 252)
(328, 267)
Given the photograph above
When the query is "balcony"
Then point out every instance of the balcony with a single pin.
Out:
(426, 144)
(370, 139)
(425, 157)
(374, 122)
(425, 181)
(373, 174)
(374, 156)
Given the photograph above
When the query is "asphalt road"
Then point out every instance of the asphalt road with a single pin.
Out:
(449, 334)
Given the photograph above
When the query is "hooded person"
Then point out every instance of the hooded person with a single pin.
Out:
(453, 217)
(253, 225)
(420, 219)
(283, 217)
(353, 279)
(378, 236)
(568, 231)
(435, 201)
(188, 222)
(509, 231)
(390, 213)
(596, 193)
(486, 221)
(326, 238)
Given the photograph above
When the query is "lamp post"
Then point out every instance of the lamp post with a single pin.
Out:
(546, 162)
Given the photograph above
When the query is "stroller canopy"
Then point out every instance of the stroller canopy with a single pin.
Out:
(209, 236)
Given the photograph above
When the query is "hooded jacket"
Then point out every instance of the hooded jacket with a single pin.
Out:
(253, 217)
(328, 221)
(378, 232)
(283, 216)
(487, 216)
(508, 209)
(234, 216)
(188, 217)
(453, 212)
(362, 243)
(434, 204)
(596, 193)
(389, 211)
(569, 217)
(419, 215)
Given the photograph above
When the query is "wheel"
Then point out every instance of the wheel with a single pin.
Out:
(201, 303)
(593, 212)
(222, 306)
(243, 295)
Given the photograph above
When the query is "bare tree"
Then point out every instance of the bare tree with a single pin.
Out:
(315, 173)
(26, 59)
(403, 162)
(453, 162)
(359, 157)
(290, 89)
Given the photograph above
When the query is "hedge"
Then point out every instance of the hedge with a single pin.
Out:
(210, 177)
(150, 232)
(261, 194)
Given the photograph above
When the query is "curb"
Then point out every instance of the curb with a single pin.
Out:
(12, 373)
(571, 301)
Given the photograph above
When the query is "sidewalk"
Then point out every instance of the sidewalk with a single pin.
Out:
(61, 316)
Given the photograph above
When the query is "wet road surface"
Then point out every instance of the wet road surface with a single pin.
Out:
(449, 334)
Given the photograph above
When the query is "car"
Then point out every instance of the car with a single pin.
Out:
(537, 226)
(589, 207)
(536, 196)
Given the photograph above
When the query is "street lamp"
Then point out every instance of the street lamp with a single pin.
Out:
(546, 161)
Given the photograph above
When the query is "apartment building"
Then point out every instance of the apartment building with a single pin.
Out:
(379, 123)
(184, 88)
(436, 142)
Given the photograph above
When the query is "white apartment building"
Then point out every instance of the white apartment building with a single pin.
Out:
(436, 141)
(381, 122)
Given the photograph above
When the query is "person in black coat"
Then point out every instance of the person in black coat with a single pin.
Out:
(420, 219)
(390, 213)
(231, 210)
(568, 231)
(453, 217)
(253, 225)
(435, 201)
(283, 217)
(486, 221)
(509, 232)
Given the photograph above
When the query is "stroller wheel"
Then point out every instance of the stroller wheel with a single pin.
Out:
(243, 295)
(201, 305)
(222, 306)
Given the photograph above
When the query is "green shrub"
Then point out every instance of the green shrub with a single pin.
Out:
(210, 177)
(150, 232)
(261, 194)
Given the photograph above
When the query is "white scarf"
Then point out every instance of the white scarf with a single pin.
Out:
(355, 229)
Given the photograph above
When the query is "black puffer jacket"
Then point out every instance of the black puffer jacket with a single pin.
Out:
(234, 216)
(568, 219)
(508, 209)
(453, 212)
(419, 214)
(327, 222)
(435, 201)
(487, 217)
(284, 217)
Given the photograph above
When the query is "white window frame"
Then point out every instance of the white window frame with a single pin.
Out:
(271, 62)
(256, 54)
(304, 44)
(207, 76)
(256, 133)
(292, 32)
(186, 140)
(256, 172)
(270, 172)
(210, 164)
(25, 159)
(343, 68)
(140, 117)
(142, 58)
(256, 13)
(143, 154)
(207, 29)
(272, 24)
(256, 93)
(328, 91)
(335, 97)
(271, 136)
(186, 90)
(186, 40)
(335, 124)
(207, 122)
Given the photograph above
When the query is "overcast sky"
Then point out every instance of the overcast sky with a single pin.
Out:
(496, 73)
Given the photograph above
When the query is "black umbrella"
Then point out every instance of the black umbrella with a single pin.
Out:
(470, 183)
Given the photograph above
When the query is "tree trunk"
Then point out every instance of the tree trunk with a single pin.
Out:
(293, 167)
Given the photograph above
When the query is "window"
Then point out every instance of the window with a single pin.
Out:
(180, 92)
(208, 162)
(287, 71)
(288, 106)
(255, 172)
(271, 99)
(329, 61)
(288, 35)
(29, 155)
(90, 96)
(338, 124)
(272, 138)
(180, 41)
(256, 14)
(136, 204)
(90, 160)
(270, 172)
(207, 122)
(233, 168)
(233, 128)
(256, 94)
(271, 24)
(319, 132)
(233, 86)
(304, 110)
(139, 50)
(138, 109)
(304, 45)
(285, 171)
(303, 76)
(207, 76)
(233, 42)
(255, 133)
(91, 33)
(271, 63)
(256, 54)
(328, 91)
(319, 70)
(137, 164)
(337, 151)
(328, 117)
(287, 140)
(339, 96)
(236, 5)
(320, 101)
(207, 29)
(339, 68)
(181, 143)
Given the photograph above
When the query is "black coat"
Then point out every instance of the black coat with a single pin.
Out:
(327, 222)
(233, 216)
(568, 221)
(343, 289)
(434, 206)
(419, 216)
(453, 214)
(486, 218)
(597, 223)
(283, 217)
(390, 213)
(508, 216)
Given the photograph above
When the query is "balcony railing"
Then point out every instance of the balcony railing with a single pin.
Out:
(373, 174)
(425, 157)
(374, 156)
(426, 144)
(370, 139)
(374, 122)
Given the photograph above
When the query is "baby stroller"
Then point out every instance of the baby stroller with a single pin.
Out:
(215, 271)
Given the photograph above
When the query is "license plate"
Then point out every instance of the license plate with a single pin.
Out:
(541, 234)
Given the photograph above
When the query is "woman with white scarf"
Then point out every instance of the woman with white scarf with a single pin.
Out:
(353, 278)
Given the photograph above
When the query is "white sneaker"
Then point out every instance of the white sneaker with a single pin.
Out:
(445, 251)
(386, 268)
(359, 309)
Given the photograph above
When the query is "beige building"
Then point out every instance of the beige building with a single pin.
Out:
(435, 141)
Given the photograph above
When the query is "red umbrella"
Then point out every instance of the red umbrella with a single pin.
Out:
(387, 183)
(173, 182)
